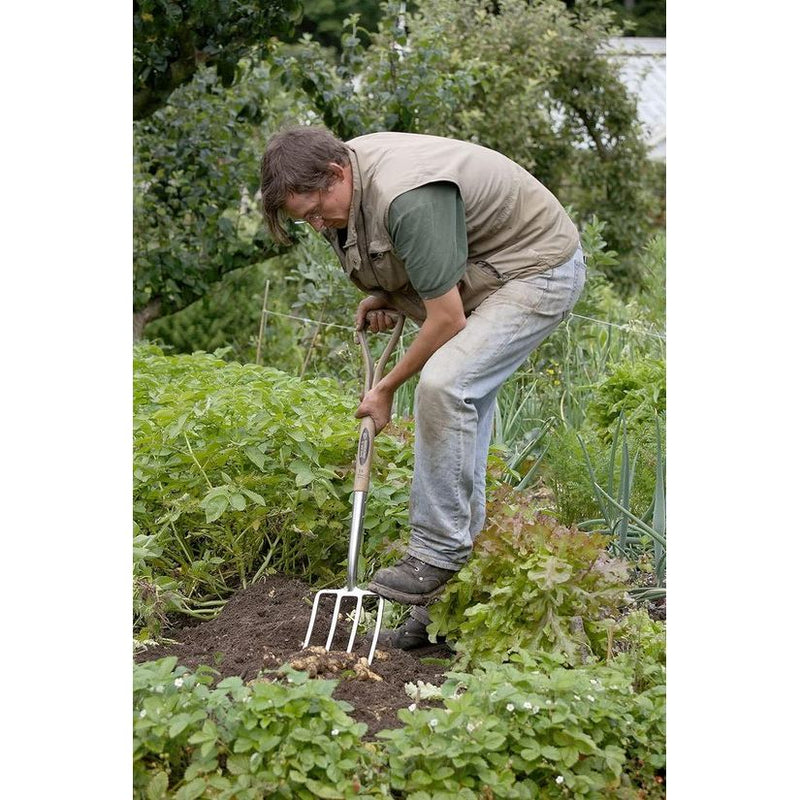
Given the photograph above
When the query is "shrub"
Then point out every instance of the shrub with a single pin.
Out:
(531, 584)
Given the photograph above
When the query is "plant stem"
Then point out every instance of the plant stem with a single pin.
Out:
(194, 458)
(263, 324)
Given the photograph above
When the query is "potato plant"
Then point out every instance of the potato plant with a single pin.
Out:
(239, 469)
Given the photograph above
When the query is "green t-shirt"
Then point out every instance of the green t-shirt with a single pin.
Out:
(429, 231)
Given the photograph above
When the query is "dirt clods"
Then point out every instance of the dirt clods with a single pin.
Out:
(263, 627)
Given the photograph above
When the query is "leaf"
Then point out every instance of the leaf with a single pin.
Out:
(215, 507)
(238, 502)
(192, 790)
(303, 472)
(531, 753)
(157, 786)
(255, 455)
(179, 724)
(255, 497)
(550, 752)
(323, 790)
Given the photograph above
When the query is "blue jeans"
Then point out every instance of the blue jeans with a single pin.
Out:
(454, 407)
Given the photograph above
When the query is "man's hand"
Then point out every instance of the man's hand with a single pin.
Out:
(377, 403)
(445, 318)
(379, 319)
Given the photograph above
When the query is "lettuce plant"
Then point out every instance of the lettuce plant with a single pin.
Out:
(532, 584)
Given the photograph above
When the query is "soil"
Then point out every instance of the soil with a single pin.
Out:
(263, 626)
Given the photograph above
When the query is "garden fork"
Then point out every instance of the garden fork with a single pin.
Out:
(366, 439)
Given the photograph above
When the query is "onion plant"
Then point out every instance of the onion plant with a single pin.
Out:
(628, 531)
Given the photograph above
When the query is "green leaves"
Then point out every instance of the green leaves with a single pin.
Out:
(522, 724)
(271, 733)
(303, 472)
(531, 584)
(239, 468)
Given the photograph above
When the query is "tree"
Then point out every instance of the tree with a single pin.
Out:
(324, 19)
(196, 174)
(529, 78)
(172, 39)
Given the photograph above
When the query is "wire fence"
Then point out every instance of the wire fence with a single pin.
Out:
(627, 328)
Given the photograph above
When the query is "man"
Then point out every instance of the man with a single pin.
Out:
(483, 257)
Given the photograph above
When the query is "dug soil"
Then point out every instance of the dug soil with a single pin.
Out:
(263, 627)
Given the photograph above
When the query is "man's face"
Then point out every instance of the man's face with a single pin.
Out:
(324, 208)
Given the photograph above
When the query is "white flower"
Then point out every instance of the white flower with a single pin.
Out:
(577, 696)
(470, 727)
(560, 779)
(433, 723)
(412, 707)
(590, 698)
(527, 706)
(159, 689)
(536, 709)
(548, 702)
(335, 732)
(178, 682)
(143, 713)
(593, 681)
(510, 707)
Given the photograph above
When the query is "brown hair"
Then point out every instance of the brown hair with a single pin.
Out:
(296, 161)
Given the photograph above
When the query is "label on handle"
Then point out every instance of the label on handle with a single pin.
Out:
(363, 447)
(366, 447)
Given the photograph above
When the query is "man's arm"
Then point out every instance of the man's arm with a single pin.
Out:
(445, 318)
(428, 229)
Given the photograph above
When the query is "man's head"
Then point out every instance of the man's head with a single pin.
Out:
(305, 174)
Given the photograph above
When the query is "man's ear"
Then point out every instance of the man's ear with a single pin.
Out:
(337, 171)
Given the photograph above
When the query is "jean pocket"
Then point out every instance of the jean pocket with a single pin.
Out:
(480, 280)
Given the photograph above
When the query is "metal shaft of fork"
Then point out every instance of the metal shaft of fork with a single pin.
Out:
(356, 536)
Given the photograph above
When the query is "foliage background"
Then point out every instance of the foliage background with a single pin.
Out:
(240, 468)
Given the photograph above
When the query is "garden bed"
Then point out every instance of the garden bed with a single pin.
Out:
(263, 626)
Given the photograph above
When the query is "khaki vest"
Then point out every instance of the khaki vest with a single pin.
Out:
(515, 226)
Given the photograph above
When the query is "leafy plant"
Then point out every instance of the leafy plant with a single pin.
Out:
(270, 738)
(637, 390)
(641, 643)
(242, 469)
(630, 532)
(531, 584)
(195, 179)
(529, 729)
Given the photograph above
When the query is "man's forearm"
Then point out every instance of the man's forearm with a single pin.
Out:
(445, 318)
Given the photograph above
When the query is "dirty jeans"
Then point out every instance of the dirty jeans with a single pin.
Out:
(454, 407)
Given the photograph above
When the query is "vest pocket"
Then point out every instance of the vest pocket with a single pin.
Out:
(388, 269)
